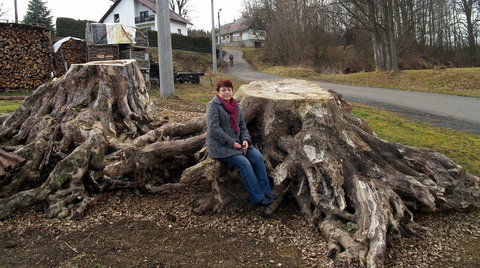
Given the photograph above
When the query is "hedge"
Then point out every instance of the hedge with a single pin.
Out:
(71, 27)
(182, 42)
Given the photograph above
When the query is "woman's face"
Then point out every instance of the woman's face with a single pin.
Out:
(225, 93)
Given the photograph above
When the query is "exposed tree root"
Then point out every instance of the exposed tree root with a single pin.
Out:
(69, 128)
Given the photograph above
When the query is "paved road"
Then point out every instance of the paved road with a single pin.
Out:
(461, 113)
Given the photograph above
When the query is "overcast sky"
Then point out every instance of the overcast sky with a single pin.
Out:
(199, 10)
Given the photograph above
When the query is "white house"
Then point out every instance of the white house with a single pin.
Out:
(241, 34)
(141, 14)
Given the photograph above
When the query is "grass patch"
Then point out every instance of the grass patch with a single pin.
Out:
(16, 93)
(451, 81)
(255, 58)
(462, 147)
(187, 61)
(200, 93)
(8, 106)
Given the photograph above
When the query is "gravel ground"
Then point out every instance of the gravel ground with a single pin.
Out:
(124, 229)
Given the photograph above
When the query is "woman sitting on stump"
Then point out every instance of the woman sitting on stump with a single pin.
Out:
(228, 140)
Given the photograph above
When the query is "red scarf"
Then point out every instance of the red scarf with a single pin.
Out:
(232, 109)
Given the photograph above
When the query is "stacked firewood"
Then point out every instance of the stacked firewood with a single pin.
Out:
(71, 52)
(26, 56)
(74, 51)
(103, 52)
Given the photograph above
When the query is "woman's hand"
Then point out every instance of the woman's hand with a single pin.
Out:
(245, 146)
(237, 145)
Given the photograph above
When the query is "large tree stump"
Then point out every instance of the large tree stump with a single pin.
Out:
(354, 186)
(75, 131)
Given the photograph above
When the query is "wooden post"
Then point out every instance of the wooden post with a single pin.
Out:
(214, 47)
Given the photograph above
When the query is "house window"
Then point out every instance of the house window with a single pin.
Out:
(143, 14)
(116, 17)
(179, 31)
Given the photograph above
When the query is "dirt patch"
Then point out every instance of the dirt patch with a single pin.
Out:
(127, 230)
(129, 243)
(175, 110)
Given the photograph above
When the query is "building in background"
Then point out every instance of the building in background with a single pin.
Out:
(240, 33)
(141, 14)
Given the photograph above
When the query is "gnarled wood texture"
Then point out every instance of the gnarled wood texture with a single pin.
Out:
(89, 132)
(341, 174)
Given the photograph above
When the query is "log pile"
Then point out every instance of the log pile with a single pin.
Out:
(71, 52)
(103, 52)
(26, 56)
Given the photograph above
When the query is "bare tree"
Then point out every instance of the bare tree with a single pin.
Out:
(377, 17)
(401, 32)
(180, 7)
(468, 8)
(3, 11)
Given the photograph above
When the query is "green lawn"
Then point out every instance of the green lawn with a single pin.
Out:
(461, 146)
(204, 91)
(8, 106)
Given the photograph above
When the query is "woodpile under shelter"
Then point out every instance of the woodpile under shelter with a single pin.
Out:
(68, 51)
(26, 56)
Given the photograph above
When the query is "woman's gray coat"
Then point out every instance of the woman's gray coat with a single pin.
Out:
(220, 136)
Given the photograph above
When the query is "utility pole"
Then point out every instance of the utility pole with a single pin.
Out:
(214, 47)
(16, 12)
(220, 36)
(165, 65)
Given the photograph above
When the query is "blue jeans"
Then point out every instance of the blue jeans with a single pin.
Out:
(253, 173)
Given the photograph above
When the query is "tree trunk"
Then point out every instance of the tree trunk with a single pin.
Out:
(378, 42)
(353, 186)
(467, 8)
(392, 44)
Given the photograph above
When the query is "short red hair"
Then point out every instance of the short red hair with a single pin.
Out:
(224, 83)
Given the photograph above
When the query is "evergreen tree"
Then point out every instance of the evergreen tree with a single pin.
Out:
(37, 12)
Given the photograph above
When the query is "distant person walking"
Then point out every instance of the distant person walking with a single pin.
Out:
(231, 59)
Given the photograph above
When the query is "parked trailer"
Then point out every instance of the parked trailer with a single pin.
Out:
(187, 77)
